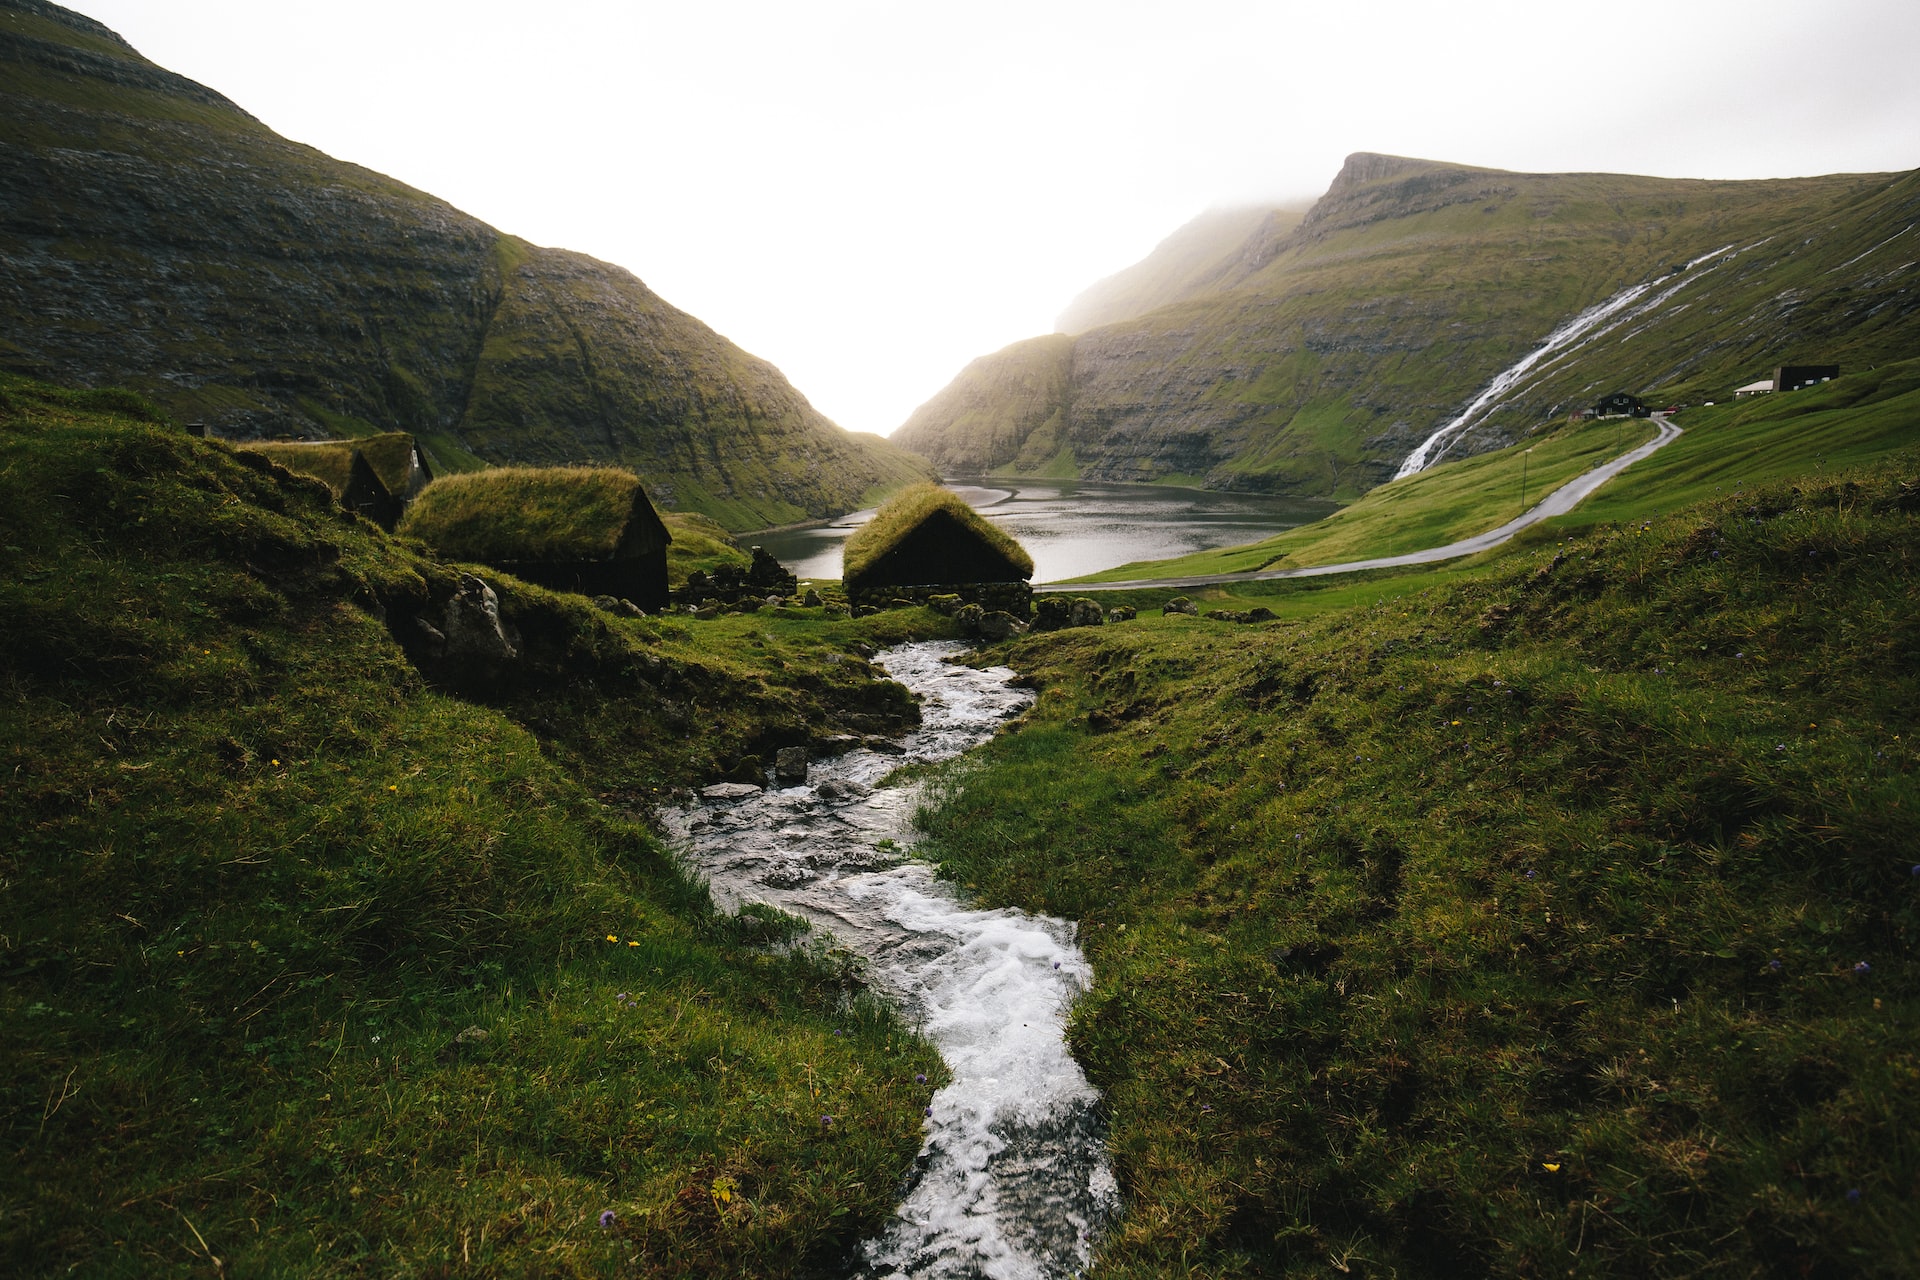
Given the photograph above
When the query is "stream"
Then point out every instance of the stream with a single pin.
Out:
(1012, 1181)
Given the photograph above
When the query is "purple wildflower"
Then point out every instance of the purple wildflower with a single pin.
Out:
(827, 1121)
(1862, 969)
(1916, 871)
(929, 1111)
(1774, 965)
(919, 1078)
(1853, 1195)
(1916, 868)
(606, 1219)
(1207, 1107)
(1529, 875)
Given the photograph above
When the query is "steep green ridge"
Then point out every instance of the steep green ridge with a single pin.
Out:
(1182, 265)
(1850, 421)
(1554, 915)
(154, 235)
(1323, 354)
(323, 956)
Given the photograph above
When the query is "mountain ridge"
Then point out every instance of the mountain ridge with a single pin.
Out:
(1321, 354)
(154, 235)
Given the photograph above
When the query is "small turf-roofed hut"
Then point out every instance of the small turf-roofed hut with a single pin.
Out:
(585, 529)
(376, 476)
(927, 541)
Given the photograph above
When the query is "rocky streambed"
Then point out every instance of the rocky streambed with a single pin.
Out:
(1012, 1181)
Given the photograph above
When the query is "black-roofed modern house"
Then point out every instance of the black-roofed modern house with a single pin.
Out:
(585, 529)
(1620, 405)
(927, 541)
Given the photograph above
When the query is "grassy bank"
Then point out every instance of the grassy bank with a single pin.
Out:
(322, 957)
(1548, 915)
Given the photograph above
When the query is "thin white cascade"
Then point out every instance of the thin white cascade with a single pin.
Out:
(1589, 324)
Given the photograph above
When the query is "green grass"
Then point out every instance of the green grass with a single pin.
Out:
(1435, 924)
(264, 872)
(1452, 501)
(526, 513)
(699, 543)
(1845, 423)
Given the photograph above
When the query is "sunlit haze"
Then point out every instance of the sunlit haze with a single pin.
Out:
(869, 194)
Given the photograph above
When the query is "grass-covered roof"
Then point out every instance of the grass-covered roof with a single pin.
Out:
(929, 527)
(536, 513)
(390, 454)
(330, 461)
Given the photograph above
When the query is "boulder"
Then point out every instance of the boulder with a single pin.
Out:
(1052, 614)
(1122, 613)
(471, 626)
(812, 599)
(790, 765)
(1001, 625)
(968, 617)
(947, 603)
(726, 792)
(1086, 613)
(1180, 605)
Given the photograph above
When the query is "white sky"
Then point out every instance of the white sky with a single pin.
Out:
(871, 194)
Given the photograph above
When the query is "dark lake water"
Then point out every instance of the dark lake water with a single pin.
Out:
(1076, 527)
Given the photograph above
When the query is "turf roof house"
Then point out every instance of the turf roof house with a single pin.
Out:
(585, 529)
(928, 542)
(375, 476)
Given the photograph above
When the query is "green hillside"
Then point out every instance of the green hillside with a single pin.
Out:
(1326, 352)
(154, 235)
(328, 954)
(1548, 915)
(1853, 420)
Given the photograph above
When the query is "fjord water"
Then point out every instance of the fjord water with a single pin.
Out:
(1077, 527)
(1012, 1181)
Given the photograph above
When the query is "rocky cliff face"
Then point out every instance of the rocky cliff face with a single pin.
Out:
(154, 235)
(1317, 354)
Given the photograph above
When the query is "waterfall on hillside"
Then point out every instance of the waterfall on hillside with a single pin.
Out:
(1583, 328)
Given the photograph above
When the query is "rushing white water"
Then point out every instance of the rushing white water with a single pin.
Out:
(1012, 1182)
(1583, 328)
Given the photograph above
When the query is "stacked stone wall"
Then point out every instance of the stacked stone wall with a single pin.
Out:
(1015, 598)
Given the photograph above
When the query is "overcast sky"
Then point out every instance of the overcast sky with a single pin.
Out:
(871, 194)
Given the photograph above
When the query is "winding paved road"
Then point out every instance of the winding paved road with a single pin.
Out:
(1558, 503)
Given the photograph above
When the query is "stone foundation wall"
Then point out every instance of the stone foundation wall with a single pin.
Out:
(1015, 598)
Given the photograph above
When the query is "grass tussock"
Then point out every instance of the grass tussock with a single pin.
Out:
(912, 507)
(527, 513)
(1552, 917)
(314, 965)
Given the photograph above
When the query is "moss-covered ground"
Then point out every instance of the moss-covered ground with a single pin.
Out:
(1550, 914)
(314, 964)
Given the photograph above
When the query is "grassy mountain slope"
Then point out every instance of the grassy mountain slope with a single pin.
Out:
(1183, 264)
(1550, 915)
(1851, 421)
(1326, 352)
(268, 867)
(154, 235)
